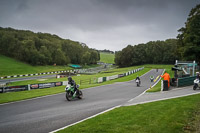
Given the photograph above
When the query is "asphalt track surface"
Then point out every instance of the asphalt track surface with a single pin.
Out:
(53, 112)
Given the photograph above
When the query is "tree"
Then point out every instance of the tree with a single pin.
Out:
(86, 58)
(44, 48)
(154, 52)
(93, 57)
(60, 58)
(189, 37)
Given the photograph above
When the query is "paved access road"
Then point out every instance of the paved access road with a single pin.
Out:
(50, 113)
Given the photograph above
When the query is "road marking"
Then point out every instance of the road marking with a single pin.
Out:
(146, 89)
(161, 99)
(85, 119)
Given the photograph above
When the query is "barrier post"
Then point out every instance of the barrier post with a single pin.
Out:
(29, 87)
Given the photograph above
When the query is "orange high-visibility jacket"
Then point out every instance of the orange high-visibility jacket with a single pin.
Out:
(166, 77)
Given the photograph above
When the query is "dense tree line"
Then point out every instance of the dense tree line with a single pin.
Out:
(153, 52)
(106, 51)
(189, 37)
(44, 48)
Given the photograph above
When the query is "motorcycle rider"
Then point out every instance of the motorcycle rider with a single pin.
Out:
(198, 75)
(73, 83)
(138, 78)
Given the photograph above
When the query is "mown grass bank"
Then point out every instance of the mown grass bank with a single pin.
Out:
(169, 116)
(10, 66)
(107, 57)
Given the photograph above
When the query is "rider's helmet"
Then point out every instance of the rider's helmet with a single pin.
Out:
(69, 79)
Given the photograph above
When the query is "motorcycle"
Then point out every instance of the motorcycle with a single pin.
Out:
(137, 82)
(71, 94)
(196, 84)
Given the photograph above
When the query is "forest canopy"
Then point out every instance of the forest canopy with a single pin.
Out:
(44, 48)
(153, 52)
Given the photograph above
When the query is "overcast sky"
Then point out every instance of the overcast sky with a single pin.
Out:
(101, 24)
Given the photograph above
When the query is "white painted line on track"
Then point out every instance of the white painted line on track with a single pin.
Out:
(161, 99)
(147, 89)
(85, 119)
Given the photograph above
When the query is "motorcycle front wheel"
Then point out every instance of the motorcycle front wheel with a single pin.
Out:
(69, 96)
(80, 95)
(195, 87)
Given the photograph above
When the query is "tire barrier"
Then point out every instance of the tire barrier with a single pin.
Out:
(36, 74)
(103, 79)
(89, 70)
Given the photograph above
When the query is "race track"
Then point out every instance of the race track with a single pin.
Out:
(52, 112)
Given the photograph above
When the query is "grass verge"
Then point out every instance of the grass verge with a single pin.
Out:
(169, 116)
(16, 96)
(156, 88)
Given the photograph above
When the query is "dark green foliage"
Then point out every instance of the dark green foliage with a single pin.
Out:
(44, 48)
(189, 37)
(106, 51)
(154, 52)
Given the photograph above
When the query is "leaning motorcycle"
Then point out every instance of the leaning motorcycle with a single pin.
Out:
(196, 84)
(71, 94)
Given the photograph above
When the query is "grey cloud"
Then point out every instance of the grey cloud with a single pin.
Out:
(99, 23)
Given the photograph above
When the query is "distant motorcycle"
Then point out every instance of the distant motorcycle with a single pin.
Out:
(196, 84)
(71, 94)
(137, 82)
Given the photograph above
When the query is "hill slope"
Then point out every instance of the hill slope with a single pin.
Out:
(9, 66)
(107, 57)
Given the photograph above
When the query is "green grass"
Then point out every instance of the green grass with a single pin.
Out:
(107, 57)
(169, 116)
(10, 66)
(81, 77)
(156, 88)
(16, 96)
(22, 95)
